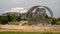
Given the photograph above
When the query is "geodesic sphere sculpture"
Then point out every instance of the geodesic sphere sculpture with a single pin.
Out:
(37, 14)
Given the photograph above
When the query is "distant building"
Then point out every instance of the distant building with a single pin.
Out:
(17, 11)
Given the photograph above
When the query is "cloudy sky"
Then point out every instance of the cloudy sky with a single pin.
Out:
(53, 4)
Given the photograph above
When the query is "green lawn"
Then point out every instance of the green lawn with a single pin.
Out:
(27, 33)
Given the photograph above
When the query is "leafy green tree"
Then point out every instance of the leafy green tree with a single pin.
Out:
(3, 20)
(9, 18)
(54, 21)
(58, 19)
(18, 18)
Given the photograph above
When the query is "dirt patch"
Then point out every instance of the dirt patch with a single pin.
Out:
(29, 28)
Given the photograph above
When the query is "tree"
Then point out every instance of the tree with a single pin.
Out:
(9, 18)
(54, 21)
(3, 20)
(18, 18)
(58, 19)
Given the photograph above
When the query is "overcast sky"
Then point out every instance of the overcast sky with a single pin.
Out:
(52, 4)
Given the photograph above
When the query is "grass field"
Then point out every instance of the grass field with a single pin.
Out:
(28, 33)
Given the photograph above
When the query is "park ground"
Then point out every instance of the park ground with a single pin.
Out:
(16, 29)
(29, 33)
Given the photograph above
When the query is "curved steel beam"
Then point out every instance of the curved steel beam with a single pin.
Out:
(34, 7)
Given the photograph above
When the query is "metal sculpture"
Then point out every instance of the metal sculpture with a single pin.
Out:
(37, 14)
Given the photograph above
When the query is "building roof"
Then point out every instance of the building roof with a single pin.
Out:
(19, 10)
